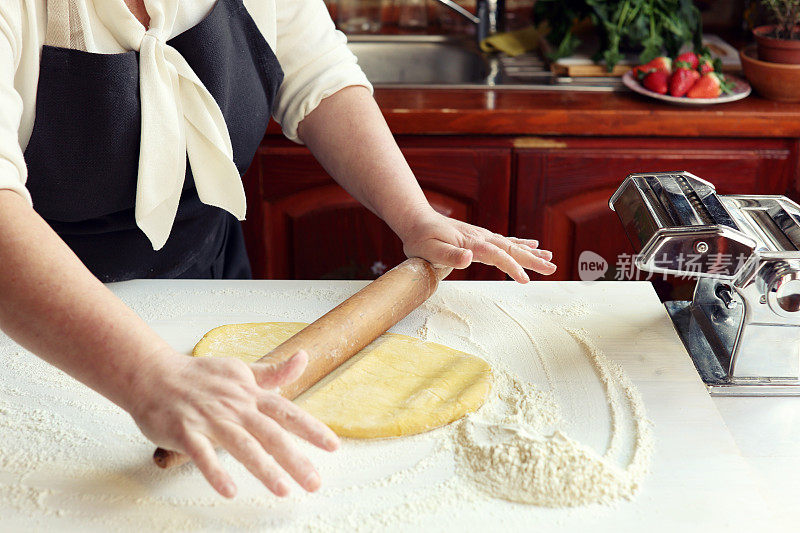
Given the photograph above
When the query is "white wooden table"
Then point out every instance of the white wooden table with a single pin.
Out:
(92, 469)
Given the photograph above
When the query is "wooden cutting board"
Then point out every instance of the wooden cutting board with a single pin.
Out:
(580, 64)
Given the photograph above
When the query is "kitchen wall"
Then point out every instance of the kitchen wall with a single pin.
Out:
(417, 16)
(728, 17)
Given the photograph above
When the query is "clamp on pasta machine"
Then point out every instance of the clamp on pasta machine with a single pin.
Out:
(742, 327)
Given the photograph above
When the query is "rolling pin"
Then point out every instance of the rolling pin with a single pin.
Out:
(343, 331)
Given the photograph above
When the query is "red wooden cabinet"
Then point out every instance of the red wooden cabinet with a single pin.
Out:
(302, 225)
(562, 193)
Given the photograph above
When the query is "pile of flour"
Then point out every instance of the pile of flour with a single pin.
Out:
(517, 447)
(507, 453)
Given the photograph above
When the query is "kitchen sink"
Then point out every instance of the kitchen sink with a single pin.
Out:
(423, 60)
(439, 61)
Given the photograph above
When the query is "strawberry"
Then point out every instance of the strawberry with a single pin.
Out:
(682, 80)
(710, 85)
(639, 72)
(659, 64)
(707, 64)
(656, 81)
(689, 58)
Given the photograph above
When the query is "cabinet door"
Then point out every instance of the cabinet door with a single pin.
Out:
(302, 225)
(562, 193)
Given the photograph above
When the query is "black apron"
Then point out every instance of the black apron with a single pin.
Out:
(83, 154)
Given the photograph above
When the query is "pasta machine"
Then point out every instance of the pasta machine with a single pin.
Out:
(742, 327)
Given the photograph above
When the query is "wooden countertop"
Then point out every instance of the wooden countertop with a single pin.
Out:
(518, 112)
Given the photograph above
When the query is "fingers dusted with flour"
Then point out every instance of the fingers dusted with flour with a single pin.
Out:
(445, 254)
(249, 451)
(453, 243)
(285, 412)
(280, 446)
(224, 402)
(298, 421)
(490, 254)
(203, 454)
(524, 255)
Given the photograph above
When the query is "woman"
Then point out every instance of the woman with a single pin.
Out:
(125, 128)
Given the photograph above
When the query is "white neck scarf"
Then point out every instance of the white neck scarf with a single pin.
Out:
(179, 117)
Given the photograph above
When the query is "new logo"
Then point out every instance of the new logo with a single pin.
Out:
(591, 266)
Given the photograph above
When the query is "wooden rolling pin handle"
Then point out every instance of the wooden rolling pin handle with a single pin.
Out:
(343, 331)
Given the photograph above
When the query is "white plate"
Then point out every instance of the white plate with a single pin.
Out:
(740, 90)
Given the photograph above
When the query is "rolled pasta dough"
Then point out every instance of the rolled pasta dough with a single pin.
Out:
(398, 385)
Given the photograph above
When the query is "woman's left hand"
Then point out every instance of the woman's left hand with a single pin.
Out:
(452, 243)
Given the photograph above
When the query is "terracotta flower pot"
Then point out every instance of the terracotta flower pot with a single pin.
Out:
(777, 50)
(776, 81)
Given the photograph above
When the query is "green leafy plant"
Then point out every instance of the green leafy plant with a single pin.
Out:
(649, 26)
(787, 17)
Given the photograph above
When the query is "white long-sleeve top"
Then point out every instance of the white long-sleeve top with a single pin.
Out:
(312, 53)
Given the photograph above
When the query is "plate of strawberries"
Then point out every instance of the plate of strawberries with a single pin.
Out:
(689, 79)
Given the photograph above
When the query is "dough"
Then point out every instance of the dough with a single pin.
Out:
(398, 385)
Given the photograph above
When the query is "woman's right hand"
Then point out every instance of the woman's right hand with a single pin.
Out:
(195, 404)
(188, 404)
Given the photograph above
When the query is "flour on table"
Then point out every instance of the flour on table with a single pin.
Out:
(564, 427)
(516, 451)
(517, 448)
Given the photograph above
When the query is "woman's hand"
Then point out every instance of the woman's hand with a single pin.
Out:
(363, 157)
(448, 242)
(194, 404)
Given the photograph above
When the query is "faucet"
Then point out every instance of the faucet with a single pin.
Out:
(490, 17)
